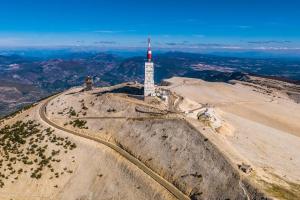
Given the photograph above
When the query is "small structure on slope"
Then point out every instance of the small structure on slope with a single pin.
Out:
(209, 117)
(88, 83)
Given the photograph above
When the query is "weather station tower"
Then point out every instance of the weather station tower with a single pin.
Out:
(149, 88)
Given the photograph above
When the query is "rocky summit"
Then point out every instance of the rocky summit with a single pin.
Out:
(200, 141)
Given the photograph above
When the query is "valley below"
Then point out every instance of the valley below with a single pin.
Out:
(25, 80)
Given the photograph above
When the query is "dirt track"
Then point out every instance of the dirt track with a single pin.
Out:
(175, 191)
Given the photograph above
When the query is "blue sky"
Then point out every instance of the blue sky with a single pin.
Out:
(195, 24)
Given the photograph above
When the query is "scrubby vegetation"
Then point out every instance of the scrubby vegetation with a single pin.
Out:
(25, 144)
(62, 112)
(79, 124)
(72, 112)
(111, 110)
(83, 106)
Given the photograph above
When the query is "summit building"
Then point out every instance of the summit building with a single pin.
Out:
(149, 88)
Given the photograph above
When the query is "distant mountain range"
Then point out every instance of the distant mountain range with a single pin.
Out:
(24, 80)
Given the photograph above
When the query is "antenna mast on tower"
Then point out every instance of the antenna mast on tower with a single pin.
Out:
(149, 52)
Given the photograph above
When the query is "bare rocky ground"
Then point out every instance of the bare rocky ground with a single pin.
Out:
(252, 156)
(162, 140)
(270, 85)
(85, 171)
(260, 127)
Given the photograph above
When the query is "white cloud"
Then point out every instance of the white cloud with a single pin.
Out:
(276, 48)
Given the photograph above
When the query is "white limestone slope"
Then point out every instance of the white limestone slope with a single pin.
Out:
(261, 129)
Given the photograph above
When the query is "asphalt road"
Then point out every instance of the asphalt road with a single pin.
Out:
(169, 186)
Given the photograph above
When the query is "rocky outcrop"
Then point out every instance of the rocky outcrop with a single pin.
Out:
(184, 157)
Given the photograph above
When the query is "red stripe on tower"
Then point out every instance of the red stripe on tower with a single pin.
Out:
(149, 53)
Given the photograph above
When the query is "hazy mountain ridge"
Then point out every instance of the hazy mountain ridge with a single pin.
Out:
(47, 76)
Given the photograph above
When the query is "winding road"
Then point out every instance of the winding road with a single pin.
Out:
(170, 187)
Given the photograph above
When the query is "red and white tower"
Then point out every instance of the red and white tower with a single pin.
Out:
(149, 53)
(149, 88)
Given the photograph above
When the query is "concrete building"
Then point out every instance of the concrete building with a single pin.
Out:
(149, 88)
(88, 83)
